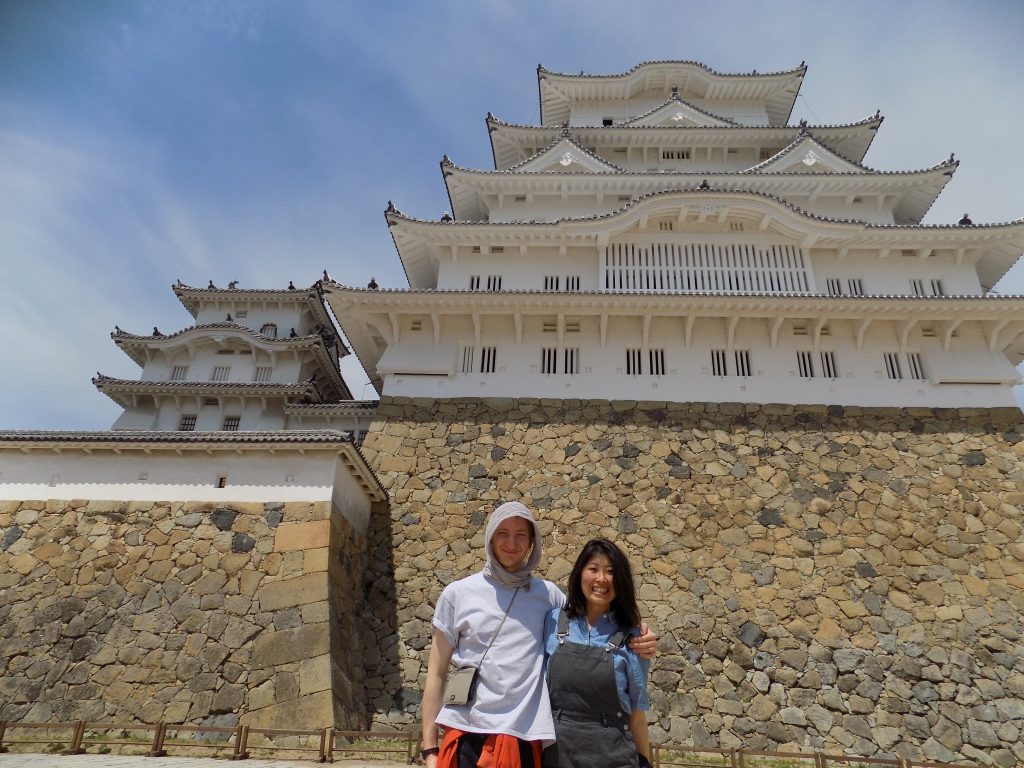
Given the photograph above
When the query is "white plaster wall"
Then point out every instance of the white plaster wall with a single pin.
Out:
(862, 379)
(134, 475)
(892, 274)
(521, 272)
(254, 316)
(350, 498)
(202, 359)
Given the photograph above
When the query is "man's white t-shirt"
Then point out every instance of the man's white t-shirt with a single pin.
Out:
(511, 692)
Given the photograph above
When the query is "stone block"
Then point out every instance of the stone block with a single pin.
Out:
(272, 649)
(314, 711)
(289, 593)
(301, 536)
(315, 674)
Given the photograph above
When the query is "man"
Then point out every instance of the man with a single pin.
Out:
(494, 620)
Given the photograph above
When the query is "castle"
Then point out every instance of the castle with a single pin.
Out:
(667, 316)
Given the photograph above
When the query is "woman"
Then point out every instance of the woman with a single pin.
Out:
(597, 685)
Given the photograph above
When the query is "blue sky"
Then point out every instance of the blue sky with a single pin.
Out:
(259, 141)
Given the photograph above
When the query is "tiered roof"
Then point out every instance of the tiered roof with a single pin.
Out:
(776, 90)
(511, 143)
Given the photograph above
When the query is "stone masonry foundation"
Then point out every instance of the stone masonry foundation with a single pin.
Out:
(183, 612)
(848, 579)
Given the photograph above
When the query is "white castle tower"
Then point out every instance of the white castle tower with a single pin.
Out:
(666, 234)
(254, 360)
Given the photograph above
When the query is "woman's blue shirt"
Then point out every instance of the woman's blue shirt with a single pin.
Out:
(630, 669)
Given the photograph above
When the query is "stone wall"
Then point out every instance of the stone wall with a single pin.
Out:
(185, 612)
(847, 579)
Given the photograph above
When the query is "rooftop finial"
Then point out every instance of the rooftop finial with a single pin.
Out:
(233, 284)
(156, 331)
(704, 185)
(291, 285)
(803, 127)
(229, 318)
(326, 276)
(211, 285)
(951, 155)
(565, 128)
(675, 91)
(966, 221)
(372, 285)
(292, 334)
(447, 217)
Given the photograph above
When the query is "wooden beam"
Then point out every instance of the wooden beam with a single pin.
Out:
(645, 338)
(947, 336)
(604, 328)
(773, 331)
(688, 329)
(396, 327)
(993, 334)
(818, 326)
(517, 319)
(862, 328)
(435, 322)
(905, 330)
(476, 328)
(730, 331)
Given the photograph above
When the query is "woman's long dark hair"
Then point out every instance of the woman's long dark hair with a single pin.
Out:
(624, 607)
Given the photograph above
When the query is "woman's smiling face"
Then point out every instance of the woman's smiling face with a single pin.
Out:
(598, 583)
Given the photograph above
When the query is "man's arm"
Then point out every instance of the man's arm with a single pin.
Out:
(641, 736)
(437, 669)
(645, 646)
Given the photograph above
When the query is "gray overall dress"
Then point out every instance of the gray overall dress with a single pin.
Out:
(591, 727)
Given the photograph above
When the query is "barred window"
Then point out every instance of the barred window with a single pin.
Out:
(856, 286)
(718, 363)
(221, 372)
(468, 358)
(656, 358)
(549, 360)
(551, 282)
(572, 360)
(917, 287)
(474, 282)
(494, 282)
(231, 423)
(269, 329)
(835, 286)
(179, 373)
(633, 362)
(828, 365)
(262, 373)
(187, 422)
(742, 362)
(892, 366)
(914, 365)
(805, 363)
(488, 356)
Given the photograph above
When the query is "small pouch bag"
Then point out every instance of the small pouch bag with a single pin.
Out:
(459, 689)
(461, 685)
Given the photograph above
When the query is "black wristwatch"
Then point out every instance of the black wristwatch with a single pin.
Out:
(429, 751)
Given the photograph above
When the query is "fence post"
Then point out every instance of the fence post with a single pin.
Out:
(322, 757)
(3, 730)
(241, 740)
(157, 749)
(330, 746)
(410, 756)
(76, 739)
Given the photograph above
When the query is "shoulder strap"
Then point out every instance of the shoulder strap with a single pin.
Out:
(480, 664)
(563, 626)
(618, 639)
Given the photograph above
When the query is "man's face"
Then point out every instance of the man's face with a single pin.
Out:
(511, 542)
